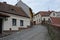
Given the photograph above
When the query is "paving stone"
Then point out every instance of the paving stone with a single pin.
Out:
(37, 32)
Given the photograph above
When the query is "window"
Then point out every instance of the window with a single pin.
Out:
(39, 20)
(53, 14)
(44, 19)
(34, 17)
(21, 22)
(14, 22)
(38, 15)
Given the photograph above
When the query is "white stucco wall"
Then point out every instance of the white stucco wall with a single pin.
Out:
(37, 18)
(46, 18)
(51, 15)
(8, 23)
(24, 7)
(57, 14)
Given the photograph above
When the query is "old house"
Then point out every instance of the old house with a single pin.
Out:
(45, 15)
(12, 18)
(55, 14)
(37, 19)
(42, 16)
(26, 9)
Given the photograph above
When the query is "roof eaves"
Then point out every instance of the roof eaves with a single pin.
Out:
(14, 14)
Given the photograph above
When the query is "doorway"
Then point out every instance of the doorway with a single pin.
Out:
(1, 21)
(34, 22)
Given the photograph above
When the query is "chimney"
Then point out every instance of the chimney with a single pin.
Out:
(49, 11)
(18, 0)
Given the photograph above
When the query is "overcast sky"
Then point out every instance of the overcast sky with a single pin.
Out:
(39, 5)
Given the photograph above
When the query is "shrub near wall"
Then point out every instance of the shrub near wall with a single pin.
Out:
(54, 32)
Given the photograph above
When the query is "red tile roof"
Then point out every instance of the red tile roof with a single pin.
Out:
(12, 9)
(55, 21)
(44, 13)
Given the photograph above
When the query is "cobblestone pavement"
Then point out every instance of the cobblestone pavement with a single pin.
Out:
(37, 32)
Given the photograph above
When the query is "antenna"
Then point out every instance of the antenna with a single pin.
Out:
(18, 0)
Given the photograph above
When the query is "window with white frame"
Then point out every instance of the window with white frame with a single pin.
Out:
(13, 22)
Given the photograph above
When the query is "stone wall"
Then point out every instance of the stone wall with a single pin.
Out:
(54, 32)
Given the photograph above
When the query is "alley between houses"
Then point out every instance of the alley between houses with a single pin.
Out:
(37, 32)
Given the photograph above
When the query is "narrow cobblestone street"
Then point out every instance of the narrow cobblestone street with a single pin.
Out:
(37, 32)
